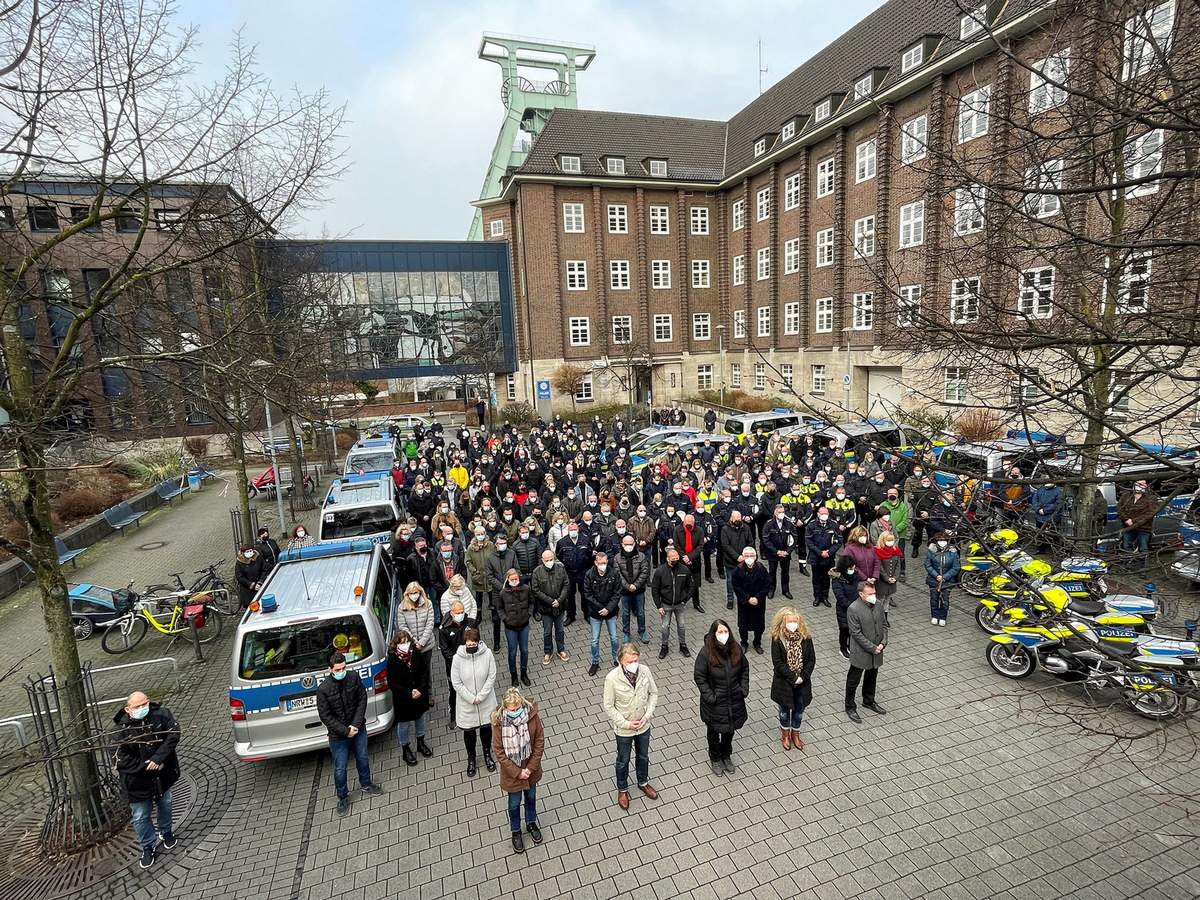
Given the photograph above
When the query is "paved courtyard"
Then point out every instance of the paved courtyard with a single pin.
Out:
(966, 788)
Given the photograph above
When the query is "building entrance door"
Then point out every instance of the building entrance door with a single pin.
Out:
(885, 389)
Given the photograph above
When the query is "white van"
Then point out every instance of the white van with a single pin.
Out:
(333, 598)
(359, 506)
(370, 456)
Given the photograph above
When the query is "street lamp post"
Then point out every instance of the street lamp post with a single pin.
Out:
(849, 332)
(721, 354)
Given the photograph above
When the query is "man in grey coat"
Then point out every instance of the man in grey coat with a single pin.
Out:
(867, 622)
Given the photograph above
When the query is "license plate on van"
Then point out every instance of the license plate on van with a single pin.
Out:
(296, 704)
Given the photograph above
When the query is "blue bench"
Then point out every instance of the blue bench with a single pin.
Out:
(65, 553)
(170, 489)
(205, 472)
(122, 516)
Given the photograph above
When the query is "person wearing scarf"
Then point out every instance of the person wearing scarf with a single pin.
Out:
(409, 679)
(630, 698)
(792, 659)
(891, 558)
(518, 741)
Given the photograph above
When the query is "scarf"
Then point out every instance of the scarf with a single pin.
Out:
(687, 540)
(888, 552)
(794, 645)
(515, 733)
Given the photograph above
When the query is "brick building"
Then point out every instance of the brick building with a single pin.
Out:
(809, 237)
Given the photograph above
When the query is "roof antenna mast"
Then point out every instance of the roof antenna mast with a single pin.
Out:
(762, 70)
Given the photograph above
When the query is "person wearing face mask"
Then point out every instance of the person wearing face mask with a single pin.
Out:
(527, 551)
(868, 627)
(858, 547)
(601, 598)
(722, 673)
(630, 698)
(641, 526)
(548, 586)
(415, 613)
(671, 587)
(751, 584)
(450, 638)
(576, 556)
(342, 708)
(736, 535)
(473, 677)
(1136, 510)
(634, 574)
(779, 540)
(923, 500)
(409, 680)
(145, 738)
(689, 541)
(942, 568)
(299, 538)
(457, 591)
(516, 609)
(518, 741)
(268, 549)
(792, 661)
(822, 540)
(891, 558)
(842, 509)
(249, 572)
(897, 514)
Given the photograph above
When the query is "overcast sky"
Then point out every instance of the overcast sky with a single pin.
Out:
(425, 111)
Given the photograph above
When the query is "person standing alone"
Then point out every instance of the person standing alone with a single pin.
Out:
(342, 708)
(867, 623)
(146, 737)
(630, 698)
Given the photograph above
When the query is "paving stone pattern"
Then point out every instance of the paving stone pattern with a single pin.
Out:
(970, 786)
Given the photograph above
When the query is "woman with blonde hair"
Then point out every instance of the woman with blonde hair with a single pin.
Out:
(858, 548)
(558, 529)
(890, 555)
(458, 592)
(792, 660)
(518, 741)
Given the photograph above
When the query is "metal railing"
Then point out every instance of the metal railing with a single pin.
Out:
(16, 726)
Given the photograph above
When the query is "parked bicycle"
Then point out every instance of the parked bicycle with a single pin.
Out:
(173, 616)
(211, 587)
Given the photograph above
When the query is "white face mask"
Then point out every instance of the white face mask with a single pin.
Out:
(889, 543)
(822, 518)
(631, 668)
(405, 646)
(514, 584)
(862, 540)
(751, 560)
(792, 626)
(941, 545)
(723, 638)
(601, 568)
(641, 513)
(549, 565)
(778, 517)
(869, 599)
(301, 533)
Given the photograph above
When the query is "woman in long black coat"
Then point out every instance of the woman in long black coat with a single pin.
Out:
(409, 680)
(723, 676)
(751, 583)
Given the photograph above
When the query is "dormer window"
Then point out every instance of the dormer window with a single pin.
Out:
(973, 21)
(913, 57)
(658, 168)
(570, 165)
(789, 131)
(614, 165)
(760, 146)
(823, 111)
(863, 87)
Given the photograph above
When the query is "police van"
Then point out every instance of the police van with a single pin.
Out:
(328, 598)
(742, 424)
(371, 455)
(359, 506)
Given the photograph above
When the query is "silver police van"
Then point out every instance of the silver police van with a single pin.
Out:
(359, 506)
(329, 598)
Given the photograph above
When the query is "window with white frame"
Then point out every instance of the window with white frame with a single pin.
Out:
(735, 375)
(663, 330)
(1035, 299)
(791, 191)
(760, 146)
(699, 215)
(622, 329)
(700, 273)
(1133, 291)
(704, 377)
(913, 134)
(1118, 392)
(570, 164)
(864, 237)
(739, 215)
(701, 327)
(864, 311)
(954, 384)
(739, 323)
(1148, 39)
(660, 273)
(1047, 82)
(791, 256)
(1041, 183)
(618, 274)
(573, 218)
(615, 166)
(762, 204)
(973, 21)
(511, 391)
(789, 131)
(764, 321)
(764, 263)
(968, 209)
(791, 317)
(973, 111)
(908, 305)
(823, 111)
(786, 373)
(584, 394)
(912, 224)
(826, 174)
(739, 269)
(579, 329)
(964, 300)
(1025, 389)
(913, 57)
(496, 226)
(618, 218)
(824, 247)
(1143, 160)
(864, 161)
(818, 379)
(658, 168)
(576, 275)
(760, 376)
(660, 220)
(863, 87)
(823, 320)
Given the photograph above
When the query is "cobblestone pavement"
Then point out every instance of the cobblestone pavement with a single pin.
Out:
(969, 787)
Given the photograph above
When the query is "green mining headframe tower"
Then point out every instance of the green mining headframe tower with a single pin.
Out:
(528, 99)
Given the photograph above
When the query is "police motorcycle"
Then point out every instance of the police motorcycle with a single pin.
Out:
(1044, 602)
(1156, 676)
(1082, 577)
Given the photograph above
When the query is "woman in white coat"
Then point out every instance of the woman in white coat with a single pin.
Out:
(459, 592)
(473, 676)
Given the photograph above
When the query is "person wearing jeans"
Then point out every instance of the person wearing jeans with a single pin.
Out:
(549, 585)
(630, 697)
(518, 741)
(941, 572)
(516, 609)
(792, 663)
(601, 598)
(146, 736)
(409, 678)
(342, 708)
(634, 572)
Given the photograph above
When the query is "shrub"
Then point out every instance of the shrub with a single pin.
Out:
(520, 415)
(88, 492)
(750, 403)
(151, 468)
(930, 423)
(196, 446)
(980, 425)
(345, 440)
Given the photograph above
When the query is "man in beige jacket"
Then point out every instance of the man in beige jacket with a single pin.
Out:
(630, 696)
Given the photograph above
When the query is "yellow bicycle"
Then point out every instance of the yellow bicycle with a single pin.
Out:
(172, 615)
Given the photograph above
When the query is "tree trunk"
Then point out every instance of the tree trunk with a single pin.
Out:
(237, 444)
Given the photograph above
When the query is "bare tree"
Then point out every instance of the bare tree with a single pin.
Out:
(568, 379)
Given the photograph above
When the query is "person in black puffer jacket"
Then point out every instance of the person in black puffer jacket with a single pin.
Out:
(146, 736)
(723, 677)
(528, 553)
(342, 708)
(845, 590)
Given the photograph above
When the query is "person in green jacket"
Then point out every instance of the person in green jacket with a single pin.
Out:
(898, 514)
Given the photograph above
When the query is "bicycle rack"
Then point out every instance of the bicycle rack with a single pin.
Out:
(16, 726)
